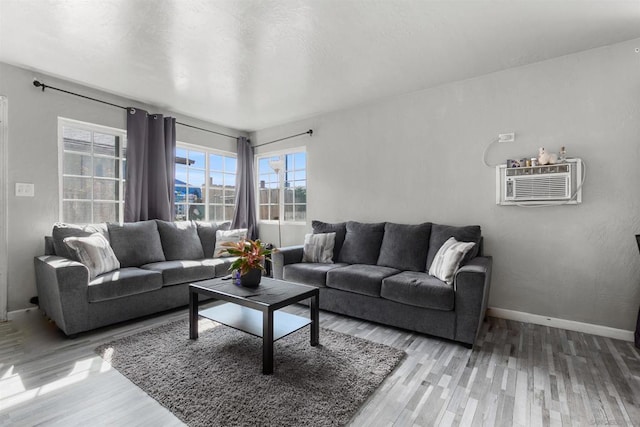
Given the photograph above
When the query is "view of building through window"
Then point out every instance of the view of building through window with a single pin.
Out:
(205, 185)
(282, 187)
(93, 171)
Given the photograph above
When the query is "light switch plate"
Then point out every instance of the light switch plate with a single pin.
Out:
(25, 189)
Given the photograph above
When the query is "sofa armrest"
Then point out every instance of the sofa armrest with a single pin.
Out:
(471, 283)
(284, 256)
(62, 291)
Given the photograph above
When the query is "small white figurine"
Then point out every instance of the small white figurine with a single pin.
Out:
(545, 158)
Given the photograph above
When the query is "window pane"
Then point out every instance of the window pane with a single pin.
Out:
(288, 195)
(196, 159)
(105, 167)
(228, 213)
(181, 156)
(289, 162)
(105, 212)
(105, 144)
(76, 139)
(215, 162)
(196, 178)
(77, 212)
(215, 213)
(216, 195)
(229, 197)
(181, 212)
(264, 211)
(288, 212)
(76, 188)
(230, 164)
(229, 180)
(274, 211)
(301, 213)
(105, 189)
(300, 194)
(300, 160)
(263, 166)
(299, 175)
(216, 178)
(196, 212)
(181, 175)
(77, 164)
(194, 195)
(274, 195)
(180, 194)
(263, 196)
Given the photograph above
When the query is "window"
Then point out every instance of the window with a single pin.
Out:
(93, 169)
(205, 184)
(282, 187)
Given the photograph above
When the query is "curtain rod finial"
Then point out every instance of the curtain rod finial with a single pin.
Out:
(37, 83)
(310, 132)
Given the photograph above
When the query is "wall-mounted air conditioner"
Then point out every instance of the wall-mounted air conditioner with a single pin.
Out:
(557, 184)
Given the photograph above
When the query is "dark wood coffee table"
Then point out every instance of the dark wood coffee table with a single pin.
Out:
(254, 310)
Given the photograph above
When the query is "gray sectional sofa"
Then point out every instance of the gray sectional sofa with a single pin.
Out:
(380, 273)
(158, 260)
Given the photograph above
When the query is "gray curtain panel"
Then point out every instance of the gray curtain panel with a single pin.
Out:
(151, 147)
(245, 213)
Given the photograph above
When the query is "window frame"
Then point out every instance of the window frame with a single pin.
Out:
(207, 171)
(281, 193)
(121, 158)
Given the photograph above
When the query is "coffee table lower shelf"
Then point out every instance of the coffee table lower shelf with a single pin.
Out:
(250, 321)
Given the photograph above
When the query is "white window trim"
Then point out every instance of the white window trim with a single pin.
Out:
(62, 121)
(207, 171)
(256, 164)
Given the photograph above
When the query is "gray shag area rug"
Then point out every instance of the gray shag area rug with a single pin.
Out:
(217, 379)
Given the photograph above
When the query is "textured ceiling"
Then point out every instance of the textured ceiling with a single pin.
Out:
(251, 64)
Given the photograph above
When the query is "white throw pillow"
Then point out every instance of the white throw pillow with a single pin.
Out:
(95, 252)
(448, 259)
(224, 236)
(319, 248)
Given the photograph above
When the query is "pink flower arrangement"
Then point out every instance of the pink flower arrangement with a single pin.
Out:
(251, 254)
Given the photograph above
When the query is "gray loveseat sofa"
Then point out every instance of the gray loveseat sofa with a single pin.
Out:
(380, 273)
(158, 260)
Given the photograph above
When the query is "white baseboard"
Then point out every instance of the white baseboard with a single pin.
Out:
(590, 328)
(15, 313)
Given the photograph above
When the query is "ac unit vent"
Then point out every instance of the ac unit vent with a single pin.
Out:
(555, 184)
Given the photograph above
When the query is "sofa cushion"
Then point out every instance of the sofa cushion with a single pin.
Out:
(180, 240)
(359, 278)
(94, 252)
(339, 228)
(418, 289)
(123, 282)
(207, 235)
(309, 274)
(442, 233)
(362, 243)
(405, 246)
(184, 271)
(136, 243)
(319, 247)
(448, 259)
(61, 231)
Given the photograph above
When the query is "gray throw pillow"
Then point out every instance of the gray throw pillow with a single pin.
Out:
(340, 229)
(319, 248)
(441, 233)
(362, 243)
(180, 240)
(136, 243)
(207, 234)
(405, 247)
(61, 231)
(94, 252)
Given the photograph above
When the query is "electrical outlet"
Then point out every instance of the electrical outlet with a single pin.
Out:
(506, 137)
(24, 189)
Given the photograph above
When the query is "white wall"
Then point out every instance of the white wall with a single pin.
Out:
(33, 158)
(417, 158)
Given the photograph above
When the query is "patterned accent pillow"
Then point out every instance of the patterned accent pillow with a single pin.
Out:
(319, 248)
(224, 236)
(94, 252)
(448, 258)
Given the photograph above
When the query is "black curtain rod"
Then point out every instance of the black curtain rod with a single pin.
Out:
(309, 132)
(37, 83)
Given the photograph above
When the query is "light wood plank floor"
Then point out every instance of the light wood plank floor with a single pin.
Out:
(518, 374)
